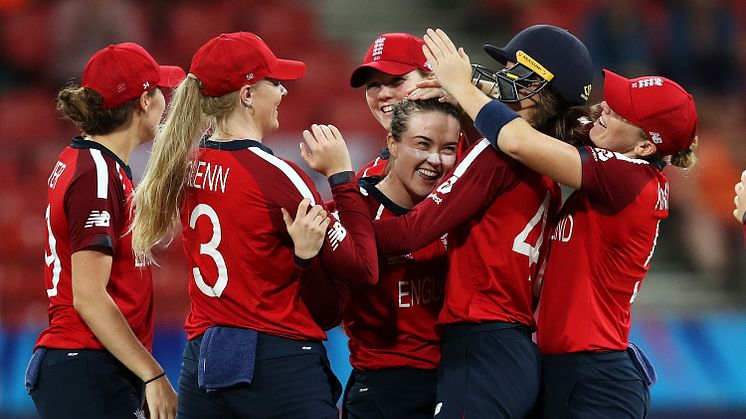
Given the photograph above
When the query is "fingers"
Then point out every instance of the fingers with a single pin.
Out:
(336, 133)
(431, 58)
(286, 218)
(302, 208)
(445, 42)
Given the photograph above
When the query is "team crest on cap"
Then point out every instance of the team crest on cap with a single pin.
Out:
(648, 82)
(586, 91)
(378, 48)
(249, 76)
(656, 137)
(428, 65)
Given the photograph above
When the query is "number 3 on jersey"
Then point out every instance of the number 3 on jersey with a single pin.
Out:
(210, 249)
(519, 243)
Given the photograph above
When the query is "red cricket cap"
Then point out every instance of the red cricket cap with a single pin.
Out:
(122, 72)
(662, 108)
(231, 60)
(392, 53)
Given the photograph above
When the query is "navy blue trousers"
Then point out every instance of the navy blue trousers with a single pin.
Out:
(290, 381)
(86, 383)
(487, 371)
(593, 385)
(390, 393)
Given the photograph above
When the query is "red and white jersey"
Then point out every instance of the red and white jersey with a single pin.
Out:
(88, 208)
(495, 212)
(392, 324)
(238, 249)
(600, 252)
(376, 167)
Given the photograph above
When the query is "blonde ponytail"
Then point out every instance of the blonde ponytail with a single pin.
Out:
(158, 195)
(686, 158)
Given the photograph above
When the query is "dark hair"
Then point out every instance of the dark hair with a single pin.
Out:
(85, 108)
(555, 117)
(406, 108)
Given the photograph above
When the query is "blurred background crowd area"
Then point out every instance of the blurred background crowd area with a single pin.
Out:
(698, 277)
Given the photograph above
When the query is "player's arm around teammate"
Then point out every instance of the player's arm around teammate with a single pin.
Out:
(93, 360)
(740, 201)
(607, 233)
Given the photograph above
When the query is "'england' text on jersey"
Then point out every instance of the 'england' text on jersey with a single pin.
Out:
(205, 175)
(419, 291)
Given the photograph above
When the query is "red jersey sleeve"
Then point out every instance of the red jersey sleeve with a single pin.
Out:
(94, 211)
(349, 248)
(319, 293)
(610, 178)
(470, 188)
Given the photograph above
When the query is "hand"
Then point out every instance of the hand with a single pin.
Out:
(161, 399)
(740, 198)
(308, 229)
(450, 65)
(430, 89)
(325, 150)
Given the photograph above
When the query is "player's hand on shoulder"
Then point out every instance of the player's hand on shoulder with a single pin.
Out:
(161, 399)
(307, 229)
(325, 150)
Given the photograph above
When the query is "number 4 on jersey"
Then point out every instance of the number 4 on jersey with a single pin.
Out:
(520, 244)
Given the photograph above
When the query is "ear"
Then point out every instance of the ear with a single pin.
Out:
(392, 145)
(145, 101)
(645, 148)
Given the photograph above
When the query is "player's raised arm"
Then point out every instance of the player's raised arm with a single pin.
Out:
(352, 257)
(547, 155)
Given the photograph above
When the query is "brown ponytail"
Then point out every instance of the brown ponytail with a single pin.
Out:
(85, 108)
(686, 158)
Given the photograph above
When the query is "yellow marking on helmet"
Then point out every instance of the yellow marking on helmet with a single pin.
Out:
(512, 76)
(534, 65)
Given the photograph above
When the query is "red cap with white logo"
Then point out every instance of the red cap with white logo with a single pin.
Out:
(662, 108)
(231, 60)
(392, 53)
(122, 72)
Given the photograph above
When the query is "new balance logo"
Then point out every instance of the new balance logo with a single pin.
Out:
(98, 219)
(56, 173)
(336, 234)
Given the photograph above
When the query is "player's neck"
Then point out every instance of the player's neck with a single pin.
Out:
(121, 143)
(395, 191)
(237, 127)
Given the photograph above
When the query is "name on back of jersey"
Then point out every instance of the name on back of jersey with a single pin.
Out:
(205, 175)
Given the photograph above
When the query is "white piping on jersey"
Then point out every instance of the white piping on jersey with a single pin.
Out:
(604, 154)
(655, 243)
(102, 174)
(294, 177)
(375, 163)
(469, 159)
(379, 212)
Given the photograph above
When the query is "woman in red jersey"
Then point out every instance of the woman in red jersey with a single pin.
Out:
(604, 241)
(489, 366)
(254, 346)
(94, 358)
(394, 348)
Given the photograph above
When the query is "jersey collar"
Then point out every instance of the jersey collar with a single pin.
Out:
(369, 184)
(80, 142)
(233, 145)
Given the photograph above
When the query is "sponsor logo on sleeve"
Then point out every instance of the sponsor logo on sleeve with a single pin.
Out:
(336, 232)
(59, 168)
(98, 219)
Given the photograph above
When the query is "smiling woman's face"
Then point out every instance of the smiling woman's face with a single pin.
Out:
(383, 91)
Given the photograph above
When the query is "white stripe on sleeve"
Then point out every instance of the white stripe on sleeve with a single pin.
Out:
(102, 174)
(294, 177)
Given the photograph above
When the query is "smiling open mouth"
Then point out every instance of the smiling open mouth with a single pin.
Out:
(387, 108)
(428, 174)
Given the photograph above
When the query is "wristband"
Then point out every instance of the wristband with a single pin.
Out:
(155, 378)
(341, 177)
(492, 118)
